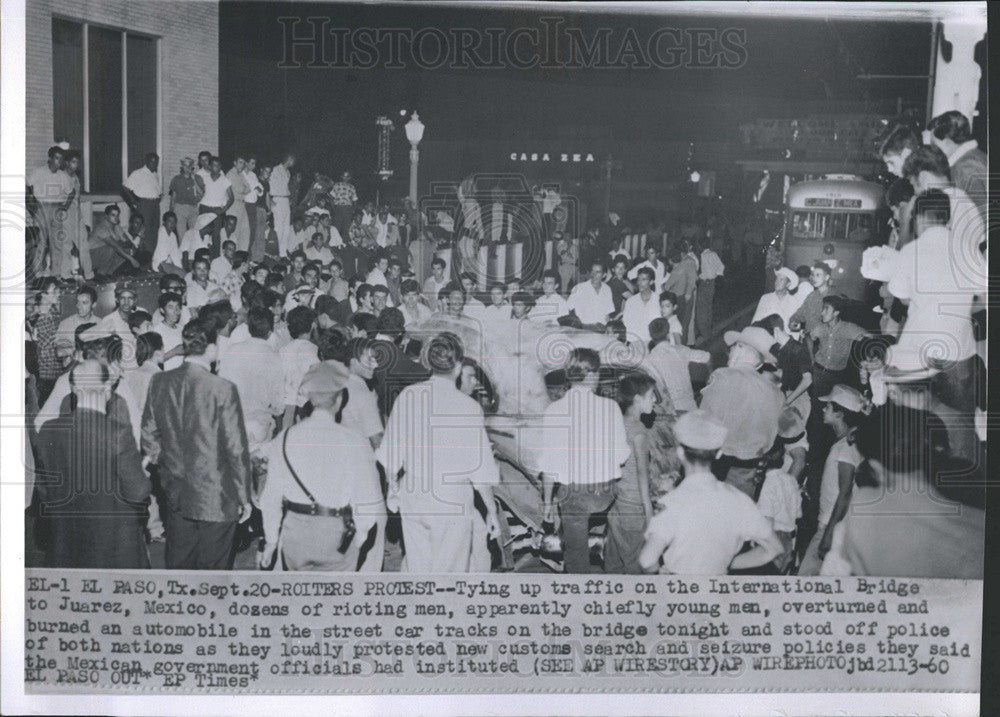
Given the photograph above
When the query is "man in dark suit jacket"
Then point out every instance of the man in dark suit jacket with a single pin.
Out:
(91, 445)
(193, 429)
(395, 369)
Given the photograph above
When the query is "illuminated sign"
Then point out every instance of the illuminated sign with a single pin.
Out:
(818, 202)
(569, 157)
(848, 203)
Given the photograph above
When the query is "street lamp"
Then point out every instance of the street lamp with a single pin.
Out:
(414, 133)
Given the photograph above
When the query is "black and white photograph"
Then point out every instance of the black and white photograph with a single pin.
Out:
(433, 348)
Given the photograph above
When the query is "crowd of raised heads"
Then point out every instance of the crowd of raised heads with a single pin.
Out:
(287, 368)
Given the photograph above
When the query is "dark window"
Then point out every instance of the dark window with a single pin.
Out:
(141, 70)
(67, 81)
(105, 84)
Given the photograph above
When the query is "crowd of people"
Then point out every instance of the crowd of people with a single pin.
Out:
(284, 388)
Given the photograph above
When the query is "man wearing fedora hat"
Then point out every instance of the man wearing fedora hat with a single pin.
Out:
(705, 522)
(780, 301)
(323, 483)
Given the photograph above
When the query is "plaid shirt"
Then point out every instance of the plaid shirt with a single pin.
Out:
(45, 329)
(343, 194)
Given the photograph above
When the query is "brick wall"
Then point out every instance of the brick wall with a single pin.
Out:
(189, 72)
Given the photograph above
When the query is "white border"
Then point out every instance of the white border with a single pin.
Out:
(13, 699)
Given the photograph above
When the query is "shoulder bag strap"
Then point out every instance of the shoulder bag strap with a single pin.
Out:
(284, 452)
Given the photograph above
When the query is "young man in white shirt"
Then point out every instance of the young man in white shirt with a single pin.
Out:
(653, 262)
(550, 306)
(142, 191)
(221, 266)
(297, 356)
(705, 522)
(167, 258)
(711, 269)
(436, 436)
(218, 197)
(592, 300)
(200, 289)
(583, 447)
(167, 323)
(412, 309)
(499, 307)
(435, 282)
(642, 307)
(938, 289)
(473, 307)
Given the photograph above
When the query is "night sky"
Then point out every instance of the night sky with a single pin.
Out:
(327, 115)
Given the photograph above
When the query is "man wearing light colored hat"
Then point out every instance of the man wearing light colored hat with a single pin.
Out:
(780, 301)
(750, 347)
(321, 477)
(705, 522)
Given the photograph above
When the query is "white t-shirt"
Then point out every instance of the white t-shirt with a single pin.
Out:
(780, 500)
(167, 249)
(144, 184)
(592, 307)
(549, 308)
(940, 282)
(48, 186)
(841, 452)
(215, 191)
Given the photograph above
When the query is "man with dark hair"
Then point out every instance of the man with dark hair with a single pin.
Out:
(257, 370)
(682, 281)
(193, 430)
(92, 446)
(395, 369)
(111, 250)
(297, 356)
(380, 299)
(142, 191)
(436, 437)
(705, 522)
(48, 195)
(361, 411)
(592, 301)
(117, 321)
(411, 307)
(550, 306)
(86, 297)
(294, 276)
(363, 324)
(809, 315)
(338, 287)
(898, 197)
(186, 190)
(951, 134)
(897, 145)
(927, 168)
(435, 282)
(833, 339)
(642, 307)
(584, 467)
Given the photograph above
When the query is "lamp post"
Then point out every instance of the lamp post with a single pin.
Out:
(414, 133)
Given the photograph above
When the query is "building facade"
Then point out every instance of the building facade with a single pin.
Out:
(118, 79)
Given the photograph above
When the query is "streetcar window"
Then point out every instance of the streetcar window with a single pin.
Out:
(861, 227)
(809, 225)
(838, 227)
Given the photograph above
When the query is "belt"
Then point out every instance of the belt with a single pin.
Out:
(314, 509)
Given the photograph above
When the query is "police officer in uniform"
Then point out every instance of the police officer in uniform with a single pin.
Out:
(322, 504)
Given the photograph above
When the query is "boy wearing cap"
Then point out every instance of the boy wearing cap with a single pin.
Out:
(780, 301)
(317, 470)
(705, 522)
(843, 411)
